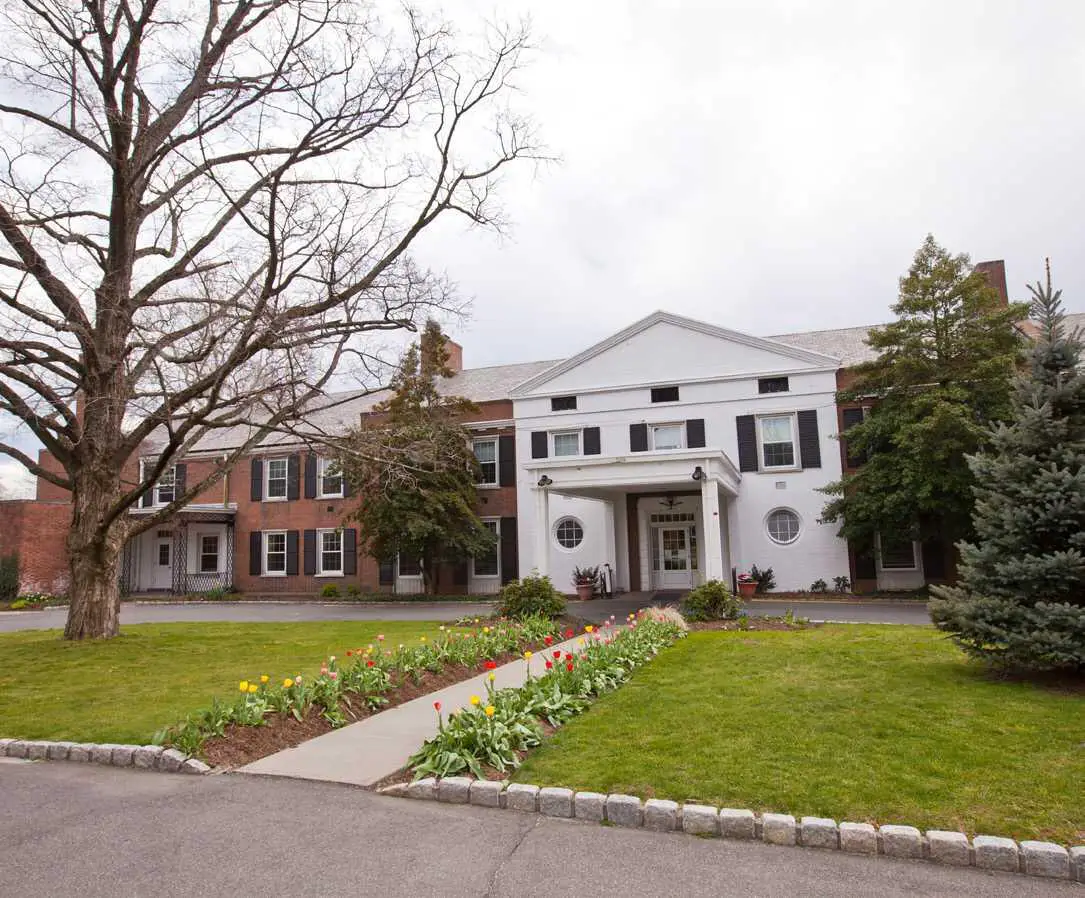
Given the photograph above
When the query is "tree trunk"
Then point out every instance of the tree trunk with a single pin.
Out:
(94, 559)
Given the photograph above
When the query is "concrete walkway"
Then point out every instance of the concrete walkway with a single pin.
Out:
(365, 752)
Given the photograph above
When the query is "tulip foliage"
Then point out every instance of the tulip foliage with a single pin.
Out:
(494, 732)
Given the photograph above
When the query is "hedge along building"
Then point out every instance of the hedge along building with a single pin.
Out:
(674, 451)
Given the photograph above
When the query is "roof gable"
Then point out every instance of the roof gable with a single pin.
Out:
(666, 348)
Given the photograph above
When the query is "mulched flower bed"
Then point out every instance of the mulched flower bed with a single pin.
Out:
(243, 744)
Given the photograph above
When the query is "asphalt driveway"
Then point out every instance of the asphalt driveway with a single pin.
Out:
(265, 612)
(76, 829)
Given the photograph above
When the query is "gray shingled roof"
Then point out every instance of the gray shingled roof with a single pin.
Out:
(847, 343)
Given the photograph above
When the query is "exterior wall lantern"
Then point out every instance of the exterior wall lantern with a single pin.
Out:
(699, 474)
(545, 481)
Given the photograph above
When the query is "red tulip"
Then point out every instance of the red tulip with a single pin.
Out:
(549, 665)
(557, 654)
(437, 707)
(368, 663)
(349, 653)
(549, 640)
(569, 634)
(490, 665)
(569, 667)
(568, 656)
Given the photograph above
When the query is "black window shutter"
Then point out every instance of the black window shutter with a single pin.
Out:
(865, 568)
(809, 439)
(256, 548)
(147, 499)
(257, 476)
(638, 437)
(852, 416)
(386, 574)
(695, 433)
(348, 490)
(308, 542)
(934, 559)
(350, 551)
(506, 460)
(180, 480)
(293, 477)
(540, 440)
(592, 445)
(747, 442)
(510, 554)
(291, 553)
(310, 476)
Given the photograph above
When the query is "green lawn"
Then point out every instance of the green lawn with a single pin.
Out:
(862, 723)
(124, 689)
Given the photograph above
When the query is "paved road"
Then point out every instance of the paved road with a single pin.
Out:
(94, 831)
(155, 613)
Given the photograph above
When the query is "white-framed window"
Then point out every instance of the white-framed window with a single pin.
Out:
(777, 438)
(329, 558)
(209, 553)
(569, 533)
(409, 567)
(566, 443)
(486, 453)
(164, 554)
(668, 436)
(276, 472)
(783, 526)
(488, 565)
(164, 490)
(329, 482)
(275, 553)
(897, 554)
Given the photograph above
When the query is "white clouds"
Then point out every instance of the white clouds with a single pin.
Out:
(15, 481)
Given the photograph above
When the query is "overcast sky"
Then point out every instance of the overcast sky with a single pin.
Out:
(772, 166)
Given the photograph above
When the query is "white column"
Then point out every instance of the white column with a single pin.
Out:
(612, 542)
(713, 536)
(542, 532)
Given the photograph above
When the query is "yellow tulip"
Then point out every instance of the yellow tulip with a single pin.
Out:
(264, 678)
(588, 628)
(244, 686)
(490, 710)
(485, 629)
(287, 683)
(423, 638)
(492, 677)
(527, 655)
(253, 687)
(475, 700)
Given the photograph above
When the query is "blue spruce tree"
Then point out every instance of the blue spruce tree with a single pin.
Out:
(1020, 601)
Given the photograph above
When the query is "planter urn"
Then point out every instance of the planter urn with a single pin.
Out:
(584, 591)
(746, 590)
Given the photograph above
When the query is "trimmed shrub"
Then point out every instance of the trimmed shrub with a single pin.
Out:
(841, 584)
(530, 596)
(330, 591)
(819, 585)
(710, 601)
(9, 578)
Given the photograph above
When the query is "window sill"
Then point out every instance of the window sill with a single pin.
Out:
(274, 574)
(274, 499)
(789, 469)
(330, 576)
(487, 486)
(485, 576)
(332, 496)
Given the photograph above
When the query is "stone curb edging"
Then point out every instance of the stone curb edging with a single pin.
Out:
(145, 757)
(995, 853)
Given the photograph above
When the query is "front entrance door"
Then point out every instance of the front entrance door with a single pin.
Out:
(162, 568)
(675, 571)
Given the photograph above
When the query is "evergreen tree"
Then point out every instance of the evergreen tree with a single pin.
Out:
(943, 374)
(414, 470)
(1021, 597)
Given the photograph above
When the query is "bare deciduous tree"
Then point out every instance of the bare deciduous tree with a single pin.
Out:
(205, 213)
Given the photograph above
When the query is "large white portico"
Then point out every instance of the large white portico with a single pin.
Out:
(664, 518)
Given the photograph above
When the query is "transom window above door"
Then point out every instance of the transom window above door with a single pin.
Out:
(667, 436)
(777, 441)
(567, 443)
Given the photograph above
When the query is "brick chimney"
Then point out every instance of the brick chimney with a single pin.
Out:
(995, 272)
(455, 355)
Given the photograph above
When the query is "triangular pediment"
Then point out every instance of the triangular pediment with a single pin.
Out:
(667, 348)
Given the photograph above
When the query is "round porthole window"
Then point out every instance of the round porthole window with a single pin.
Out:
(783, 526)
(569, 533)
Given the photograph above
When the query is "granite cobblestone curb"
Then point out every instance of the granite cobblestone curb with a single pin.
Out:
(1044, 859)
(144, 757)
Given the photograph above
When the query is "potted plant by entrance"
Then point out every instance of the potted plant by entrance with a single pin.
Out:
(747, 585)
(585, 580)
